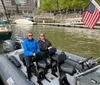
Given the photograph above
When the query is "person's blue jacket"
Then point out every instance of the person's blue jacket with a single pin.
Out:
(30, 47)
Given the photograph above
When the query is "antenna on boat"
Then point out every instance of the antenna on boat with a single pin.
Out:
(5, 11)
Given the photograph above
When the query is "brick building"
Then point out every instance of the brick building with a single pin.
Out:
(11, 7)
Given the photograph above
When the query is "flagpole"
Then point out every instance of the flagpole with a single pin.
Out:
(96, 4)
(5, 11)
(17, 8)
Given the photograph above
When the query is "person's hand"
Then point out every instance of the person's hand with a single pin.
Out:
(49, 47)
(34, 54)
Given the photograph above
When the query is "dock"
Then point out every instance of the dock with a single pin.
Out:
(70, 22)
(67, 25)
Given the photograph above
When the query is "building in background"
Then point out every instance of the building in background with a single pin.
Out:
(13, 8)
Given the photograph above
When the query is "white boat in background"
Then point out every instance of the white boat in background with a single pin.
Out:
(25, 20)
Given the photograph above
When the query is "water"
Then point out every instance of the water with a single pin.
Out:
(71, 40)
(83, 43)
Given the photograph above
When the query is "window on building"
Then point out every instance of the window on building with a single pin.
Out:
(14, 11)
(9, 10)
(25, 11)
(29, 11)
(20, 11)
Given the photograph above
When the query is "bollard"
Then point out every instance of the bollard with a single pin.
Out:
(43, 21)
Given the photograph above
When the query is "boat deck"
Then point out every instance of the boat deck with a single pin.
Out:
(54, 80)
(93, 78)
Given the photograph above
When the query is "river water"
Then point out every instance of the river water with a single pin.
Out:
(79, 41)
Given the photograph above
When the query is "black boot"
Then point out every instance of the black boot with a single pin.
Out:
(29, 76)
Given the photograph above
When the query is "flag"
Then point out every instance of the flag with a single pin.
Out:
(91, 15)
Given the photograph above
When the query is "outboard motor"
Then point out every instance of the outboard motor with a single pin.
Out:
(8, 46)
(18, 44)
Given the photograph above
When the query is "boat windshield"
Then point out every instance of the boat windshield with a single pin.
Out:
(3, 21)
(28, 17)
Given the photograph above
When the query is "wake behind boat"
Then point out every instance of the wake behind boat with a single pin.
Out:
(25, 20)
(73, 70)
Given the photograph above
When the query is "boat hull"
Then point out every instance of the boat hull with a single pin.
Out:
(72, 60)
(5, 35)
(24, 21)
(10, 75)
(55, 80)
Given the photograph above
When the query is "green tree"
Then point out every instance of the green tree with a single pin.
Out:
(98, 1)
(51, 5)
(48, 5)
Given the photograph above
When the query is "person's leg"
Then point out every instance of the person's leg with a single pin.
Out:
(28, 66)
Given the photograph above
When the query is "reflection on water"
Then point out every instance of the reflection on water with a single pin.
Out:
(62, 39)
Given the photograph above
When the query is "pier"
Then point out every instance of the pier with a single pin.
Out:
(67, 21)
(76, 25)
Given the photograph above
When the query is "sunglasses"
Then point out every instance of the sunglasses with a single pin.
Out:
(41, 36)
(30, 35)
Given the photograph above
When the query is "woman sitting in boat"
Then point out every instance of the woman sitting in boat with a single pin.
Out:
(31, 47)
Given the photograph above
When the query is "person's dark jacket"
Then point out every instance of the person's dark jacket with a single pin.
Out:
(44, 45)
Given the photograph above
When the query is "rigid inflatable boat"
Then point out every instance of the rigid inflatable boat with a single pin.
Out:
(66, 69)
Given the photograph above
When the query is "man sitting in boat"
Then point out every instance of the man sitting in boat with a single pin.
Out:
(30, 48)
(45, 45)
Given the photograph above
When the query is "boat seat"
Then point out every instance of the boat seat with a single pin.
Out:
(42, 64)
(53, 63)
(75, 64)
(64, 68)
(55, 57)
(80, 66)
(67, 68)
